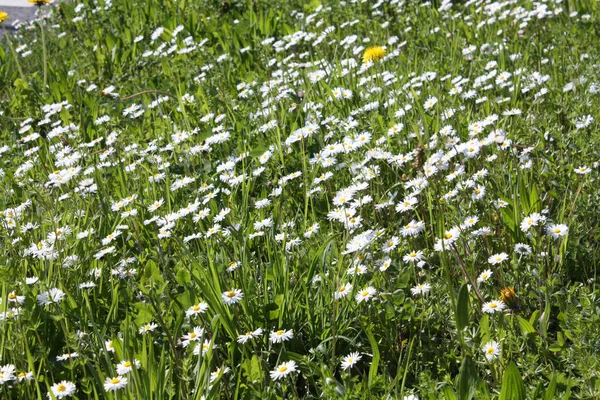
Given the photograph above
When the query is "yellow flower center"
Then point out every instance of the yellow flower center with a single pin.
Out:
(231, 293)
(114, 381)
(61, 388)
(280, 332)
(127, 364)
(283, 368)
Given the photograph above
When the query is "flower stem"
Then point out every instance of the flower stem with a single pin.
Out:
(14, 53)
(44, 54)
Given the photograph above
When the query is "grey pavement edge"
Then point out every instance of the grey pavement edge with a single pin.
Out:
(16, 16)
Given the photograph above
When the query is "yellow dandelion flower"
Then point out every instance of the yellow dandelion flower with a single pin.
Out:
(373, 53)
(3, 16)
(507, 294)
(39, 2)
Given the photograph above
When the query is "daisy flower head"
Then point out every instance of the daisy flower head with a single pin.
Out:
(197, 309)
(491, 350)
(583, 170)
(249, 335)
(156, 205)
(498, 258)
(283, 369)
(282, 335)
(485, 275)
(25, 376)
(216, 374)
(493, 306)
(390, 245)
(532, 220)
(413, 256)
(430, 103)
(62, 389)
(420, 289)
(54, 295)
(523, 249)
(343, 291)
(350, 360)
(232, 296)
(203, 348)
(7, 373)
(557, 230)
(126, 366)
(366, 294)
(114, 384)
(147, 328)
(373, 53)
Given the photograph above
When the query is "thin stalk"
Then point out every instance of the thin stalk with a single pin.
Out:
(44, 55)
(14, 53)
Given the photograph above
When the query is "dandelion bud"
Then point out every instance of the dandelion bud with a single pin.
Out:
(507, 294)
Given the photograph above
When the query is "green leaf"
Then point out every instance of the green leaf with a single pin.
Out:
(513, 387)
(462, 308)
(449, 393)
(526, 327)
(549, 395)
(534, 317)
(375, 361)
(534, 199)
(145, 313)
(484, 326)
(253, 369)
(183, 277)
(467, 379)
(20, 84)
(555, 348)
(545, 317)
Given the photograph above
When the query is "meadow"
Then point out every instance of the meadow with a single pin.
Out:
(284, 199)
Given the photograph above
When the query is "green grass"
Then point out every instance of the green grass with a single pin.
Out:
(281, 207)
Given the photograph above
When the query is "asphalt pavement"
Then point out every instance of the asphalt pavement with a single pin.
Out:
(19, 11)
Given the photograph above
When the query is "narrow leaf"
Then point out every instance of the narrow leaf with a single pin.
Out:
(526, 327)
(549, 395)
(513, 387)
(467, 379)
(375, 362)
(462, 308)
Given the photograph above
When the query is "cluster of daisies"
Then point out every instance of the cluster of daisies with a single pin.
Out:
(378, 189)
